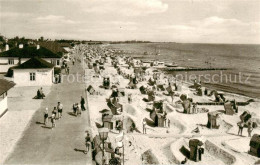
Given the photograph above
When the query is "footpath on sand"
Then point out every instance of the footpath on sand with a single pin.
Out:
(43, 145)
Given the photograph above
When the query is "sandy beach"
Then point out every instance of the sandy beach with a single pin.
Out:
(163, 144)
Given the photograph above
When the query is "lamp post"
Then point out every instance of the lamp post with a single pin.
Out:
(103, 134)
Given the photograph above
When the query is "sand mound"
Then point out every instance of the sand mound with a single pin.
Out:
(149, 158)
(130, 109)
(219, 153)
(178, 157)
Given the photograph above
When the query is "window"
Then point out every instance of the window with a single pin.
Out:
(11, 61)
(58, 62)
(32, 76)
(53, 61)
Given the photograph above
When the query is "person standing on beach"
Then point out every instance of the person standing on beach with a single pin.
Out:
(60, 108)
(144, 126)
(169, 123)
(171, 93)
(194, 108)
(129, 98)
(82, 103)
(46, 116)
(240, 128)
(249, 129)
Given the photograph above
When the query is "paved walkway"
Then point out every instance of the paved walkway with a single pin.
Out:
(41, 145)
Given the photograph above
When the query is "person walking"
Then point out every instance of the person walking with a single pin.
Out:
(59, 78)
(78, 110)
(240, 128)
(74, 107)
(54, 111)
(68, 70)
(249, 129)
(53, 121)
(60, 108)
(144, 126)
(46, 116)
(56, 78)
(88, 141)
(169, 123)
(82, 103)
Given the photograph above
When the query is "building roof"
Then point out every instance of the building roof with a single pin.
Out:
(34, 63)
(5, 85)
(54, 46)
(29, 52)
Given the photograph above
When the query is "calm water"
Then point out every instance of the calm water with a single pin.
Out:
(242, 61)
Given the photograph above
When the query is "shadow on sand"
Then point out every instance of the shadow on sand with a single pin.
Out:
(71, 113)
(47, 127)
(149, 122)
(79, 150)
(37, 122)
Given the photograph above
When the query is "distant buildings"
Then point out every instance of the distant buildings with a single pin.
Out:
(16, 56)
(32, 63)
(4, 87)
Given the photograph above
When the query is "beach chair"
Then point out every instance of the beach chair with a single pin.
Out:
(229, 108)
(91, 90)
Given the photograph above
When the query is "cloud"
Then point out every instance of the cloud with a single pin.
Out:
(126, 7)
(13, 14)
(54, 19)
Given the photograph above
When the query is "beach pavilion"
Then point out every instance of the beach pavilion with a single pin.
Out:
(34, 72)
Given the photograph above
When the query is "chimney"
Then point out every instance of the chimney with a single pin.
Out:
(6, 47)
(38, 47)
(20, 46)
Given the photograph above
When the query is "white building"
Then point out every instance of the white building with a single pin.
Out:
(4, 87)
(34, 72)
(16, 56)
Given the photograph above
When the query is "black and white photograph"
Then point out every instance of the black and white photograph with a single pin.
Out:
(129, 82)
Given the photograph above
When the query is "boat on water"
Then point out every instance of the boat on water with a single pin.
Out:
(173, 64)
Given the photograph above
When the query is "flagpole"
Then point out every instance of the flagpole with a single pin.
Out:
(123, 153)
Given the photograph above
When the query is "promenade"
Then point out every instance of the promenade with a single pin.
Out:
(43, 145)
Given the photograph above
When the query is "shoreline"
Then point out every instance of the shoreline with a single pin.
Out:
(210, 86)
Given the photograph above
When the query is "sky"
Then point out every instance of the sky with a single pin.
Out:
(187, 21)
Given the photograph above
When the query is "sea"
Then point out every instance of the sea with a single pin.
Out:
(241, 61)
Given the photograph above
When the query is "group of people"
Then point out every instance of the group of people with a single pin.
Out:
(55, 115)
(57, 112)
(40, 94)
(66, 67)
(241, 126)
(76, 109)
